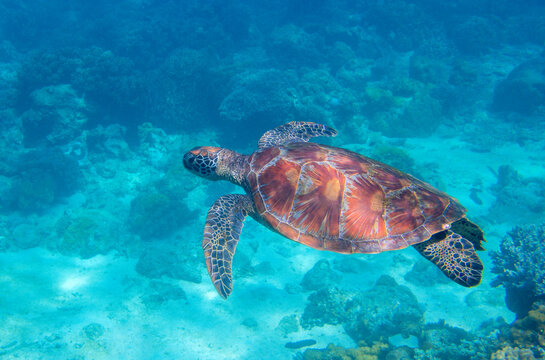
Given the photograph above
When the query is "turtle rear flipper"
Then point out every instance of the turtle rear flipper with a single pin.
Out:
(455, 256)
(221, 233)
(469, 231)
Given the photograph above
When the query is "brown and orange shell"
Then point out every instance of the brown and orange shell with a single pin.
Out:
(337, 200)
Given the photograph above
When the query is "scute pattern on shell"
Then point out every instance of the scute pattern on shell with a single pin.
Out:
(335, 199)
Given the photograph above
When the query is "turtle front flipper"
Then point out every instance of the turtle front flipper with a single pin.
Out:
(455, 256)
(221, 232)
(295, 131)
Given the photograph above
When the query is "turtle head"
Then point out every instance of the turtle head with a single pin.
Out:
(203, 161)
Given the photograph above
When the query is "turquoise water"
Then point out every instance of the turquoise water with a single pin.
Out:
(101, 225)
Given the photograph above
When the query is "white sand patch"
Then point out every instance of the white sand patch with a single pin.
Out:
(55, 297)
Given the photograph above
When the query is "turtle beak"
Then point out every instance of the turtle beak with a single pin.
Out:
(189, 159)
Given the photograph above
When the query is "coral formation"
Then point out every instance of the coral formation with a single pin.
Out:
(326, 306)
(362, 352)
(428, 70)
(518, 198)
(43, 177)
(400, 353)
(109, 82)
(155, 215)
(26, 236)
(523, 91)
(87, 233)
(288, 324)
(475, 35)
(441, 341)
(108, 142)
(321, 275)
(260, 97)
(56, 114)
(520, 267)
(384, 310)
(295, 44)
(11, 140)
(93, 331)
(509, 353)
(529, 331)
(170, 105)
(407, 111)
(395, 157)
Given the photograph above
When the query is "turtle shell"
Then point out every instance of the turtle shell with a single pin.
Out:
(335, 199)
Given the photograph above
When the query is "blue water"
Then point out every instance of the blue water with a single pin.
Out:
(101, 225)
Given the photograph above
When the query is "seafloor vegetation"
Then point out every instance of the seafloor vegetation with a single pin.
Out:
(100, 225)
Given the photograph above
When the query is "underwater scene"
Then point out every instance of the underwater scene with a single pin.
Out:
(382, 163)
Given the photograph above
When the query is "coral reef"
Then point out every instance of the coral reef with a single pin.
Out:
(476, 35)
(93, 331)
(400, 353)
(362, 352)
(8, 77)
(323, 98)
(523, 91)
(155, 215)
(520, 267)
(288, 324)
(320, 276)
(509, 353)
(107, 143)
(295, 44)
(56, 114)
(395, 157)
(26, 236)
(441, 341)
(520, 199)
(11, 141)
(5, 187)
(260, 97)
(428, 70)
(170, 105)
(326, 306)
(43, 177)
(385, 310)
(87, 233)
(111, 84)
(529, 331)
(406, 111)
(409, 24)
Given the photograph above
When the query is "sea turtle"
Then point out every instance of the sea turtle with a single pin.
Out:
(330, 199)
